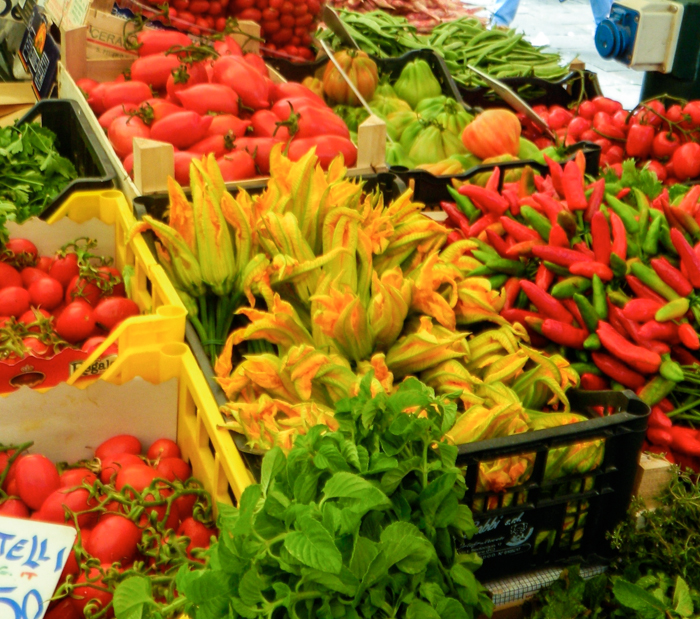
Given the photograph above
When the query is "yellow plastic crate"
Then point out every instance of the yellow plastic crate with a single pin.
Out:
(163, 314)
(208, 448)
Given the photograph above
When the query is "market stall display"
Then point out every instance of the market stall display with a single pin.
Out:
(353, 362)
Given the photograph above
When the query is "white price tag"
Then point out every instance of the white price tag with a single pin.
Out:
(32, 557)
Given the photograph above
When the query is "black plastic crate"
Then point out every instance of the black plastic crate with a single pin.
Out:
(298, 71)
(431, 189)
(576, 86)
(76, 142)
(545, 521)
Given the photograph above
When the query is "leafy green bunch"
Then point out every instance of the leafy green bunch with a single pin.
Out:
(360, 522)
(32, 172)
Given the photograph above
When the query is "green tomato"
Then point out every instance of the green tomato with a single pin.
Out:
(528, 150)
(417, 82)
(397, 122)
(396, 156)
(433, 144)
(383, 106)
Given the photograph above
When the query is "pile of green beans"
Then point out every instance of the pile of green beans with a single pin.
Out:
(465, 41)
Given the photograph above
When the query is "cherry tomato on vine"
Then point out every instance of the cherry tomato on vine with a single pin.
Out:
(664, 144)
(639, 141)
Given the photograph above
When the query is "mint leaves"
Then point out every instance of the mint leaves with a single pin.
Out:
(356, 523)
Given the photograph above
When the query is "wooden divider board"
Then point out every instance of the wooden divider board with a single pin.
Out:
(152, 178)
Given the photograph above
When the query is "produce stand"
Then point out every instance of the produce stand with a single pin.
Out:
(419, 391)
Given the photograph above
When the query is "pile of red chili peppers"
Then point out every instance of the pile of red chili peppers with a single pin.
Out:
(609, 278)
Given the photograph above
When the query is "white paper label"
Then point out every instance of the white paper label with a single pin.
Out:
(32, 557)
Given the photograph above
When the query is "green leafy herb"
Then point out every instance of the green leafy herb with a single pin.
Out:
(358, 523)
(632, 176)
(32, 172)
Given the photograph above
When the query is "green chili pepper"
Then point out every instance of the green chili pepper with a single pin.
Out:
(567, 288)
(482, 271)
(617, 297)
(670, 370)
(592, 342)
(588, 313)
(586, 368)
(521, 302)
(539, 222)
(665, 238)
(557, 269)
(643, 206)
(618, 265)
(649, 277)
(632, 246)
(673, 310)
(650, 246)
(483, 255)
(656, 390)
(502, 265)
(625, 212)
(463, 203)
(600, 303)
(497, 281)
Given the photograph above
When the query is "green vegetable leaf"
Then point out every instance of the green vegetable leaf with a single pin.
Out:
(363, 554)
(351, 486)
(636, 598)
(131, 596)
(420, 610)
(313, 546)
(250, 588)
(272, 464)
(682, 601)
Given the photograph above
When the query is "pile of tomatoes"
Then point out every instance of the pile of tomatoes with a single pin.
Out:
(134, 514)
(213, 100)
(51, 302)
(287, 25)
(665, 138)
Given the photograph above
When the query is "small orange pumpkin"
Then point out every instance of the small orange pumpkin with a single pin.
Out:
(493, 133)
(360, 69)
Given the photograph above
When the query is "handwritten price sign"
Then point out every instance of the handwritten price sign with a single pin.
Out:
(32, 557)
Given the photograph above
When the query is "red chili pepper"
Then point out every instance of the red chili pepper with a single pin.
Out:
(600, 237)
(683, 357)
(518, 231)
(619, 234)
(584, 249)
(544, 278)
(665, 405)
(546, 303)
(641, 310)
(630, 328)
(660, 348)
(564, 334)
(454, 214)
(687, 463)
(659, 436)
(589, 269)
(572, 184)
(557, 237)
(486, 201)
(454, 236)
(690, 201)
(511, 197)
(481, 224)
(593, 382)
(556, 174)
(539, 184)
(497, 243)
(595, 199)
(560, 255)
(514, 314)
(663, 331)
(685, 441)
(492, 183)
(689, 336)
(551, 207)
(615, 318)
(659, 419)
(512, 288)
(618, 371)
(672, 276)
(670, 215)
(642, 290)
(522, 249)
(570, 304)
(622, 193)
(688, 257)
(638, 358)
